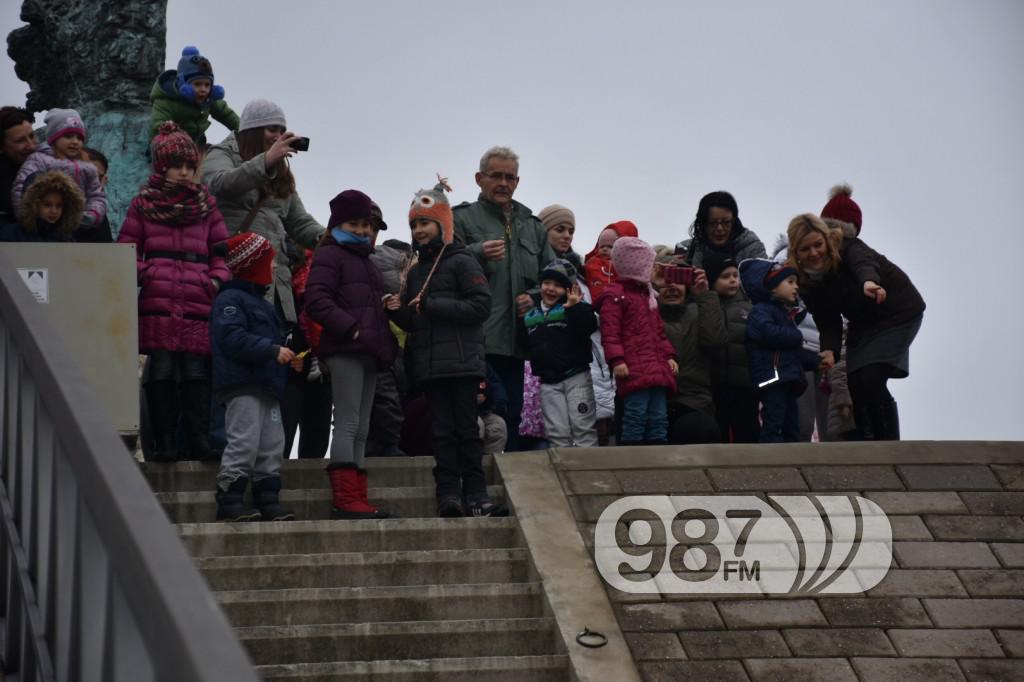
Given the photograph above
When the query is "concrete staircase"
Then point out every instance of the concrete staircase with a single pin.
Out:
(407, 599)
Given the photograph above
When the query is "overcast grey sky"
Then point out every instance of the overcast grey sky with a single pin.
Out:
(635, 110)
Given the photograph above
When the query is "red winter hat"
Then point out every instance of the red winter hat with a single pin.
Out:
(250, 257)
(841, 207)
(172, 146)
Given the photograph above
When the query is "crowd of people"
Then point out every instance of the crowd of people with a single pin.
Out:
(484, 332)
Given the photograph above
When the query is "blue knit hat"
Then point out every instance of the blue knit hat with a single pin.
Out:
(778, 274)
(193, 66)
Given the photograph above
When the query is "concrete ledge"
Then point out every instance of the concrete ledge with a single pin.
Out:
(575, 592)
(744, 455)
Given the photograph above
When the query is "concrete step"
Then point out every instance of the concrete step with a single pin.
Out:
(311, 537)
(432, 567)
(388, 472)
(404, 502)
(402, 640)
(492, 669)
(382, 604)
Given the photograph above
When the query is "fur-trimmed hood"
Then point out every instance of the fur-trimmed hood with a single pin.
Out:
(42, 184)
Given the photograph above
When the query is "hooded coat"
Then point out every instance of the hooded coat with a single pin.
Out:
(345, 293)
(84, 173)
(697, 330)
(632, 333)
(31, 229)
(236, 184)
(446, 337)
(176, 265)
(774, 341)
(599, 271)
(169, 105)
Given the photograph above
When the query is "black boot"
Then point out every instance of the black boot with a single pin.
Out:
(163, 404)
(196, 415)
(231, 502)
(265, 494)
(890, 417)
(865, 427)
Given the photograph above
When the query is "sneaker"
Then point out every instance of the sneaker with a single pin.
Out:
(484, 507)
(314, 371)
(449, 507)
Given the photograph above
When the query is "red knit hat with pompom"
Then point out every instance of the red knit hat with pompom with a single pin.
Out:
(842, 207)
(250, 257)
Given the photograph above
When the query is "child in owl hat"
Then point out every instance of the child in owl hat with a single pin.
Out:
(189, 96)
(444, 305)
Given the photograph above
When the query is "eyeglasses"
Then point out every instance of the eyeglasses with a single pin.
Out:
(727, 222)
(498, 177)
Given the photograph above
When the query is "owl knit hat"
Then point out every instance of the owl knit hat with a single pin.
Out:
(61, 122)
(250, 257)
(633, 259)
(193, 66)
(842, 207)
(432, 204)
(172, 146)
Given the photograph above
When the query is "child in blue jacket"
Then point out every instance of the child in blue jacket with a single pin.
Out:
(775, 352)
(249, 375)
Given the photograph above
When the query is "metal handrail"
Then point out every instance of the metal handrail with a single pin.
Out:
(94, 581)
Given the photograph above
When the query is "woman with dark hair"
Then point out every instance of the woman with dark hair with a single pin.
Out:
(841, 276)
(248, 173)
(19, 141)
(717, 229)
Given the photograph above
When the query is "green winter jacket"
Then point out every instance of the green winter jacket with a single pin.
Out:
(696, 330)
(527, 252)
(193, 119)
(730, 363)
(236, 185)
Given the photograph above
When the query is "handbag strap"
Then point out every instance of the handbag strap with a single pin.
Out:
(251, 216)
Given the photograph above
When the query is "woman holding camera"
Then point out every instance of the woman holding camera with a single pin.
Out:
(248, 173)
(841, 276)
(717, 230)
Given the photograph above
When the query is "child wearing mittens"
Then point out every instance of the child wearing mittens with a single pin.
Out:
(189, 97)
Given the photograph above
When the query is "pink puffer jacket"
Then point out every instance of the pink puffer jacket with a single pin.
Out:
(176, 264)
(632, 332)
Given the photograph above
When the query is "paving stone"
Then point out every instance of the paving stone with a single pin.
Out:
(588, 508)
(821, 478)
(918, 502)
(976, 613)
(695, 671)
(668, 481)
(934, 643)
(621, 597)
(975, 527)
(771, 613)
(839, 642)
(1008, 583)
(805, 669)
(762, 479)
(944, 555)
(919, 583)
(907, 670)
(908, 528)
(1011, 554)
(886, 612)
(655, 646)
(1013, 642)
(733, 643)
(668, 617)
(992, 670)
(591, 482)
(1008, 504)
(1010, 475)
(949, 477)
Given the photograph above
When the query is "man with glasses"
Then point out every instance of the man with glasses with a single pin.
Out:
(512, 245)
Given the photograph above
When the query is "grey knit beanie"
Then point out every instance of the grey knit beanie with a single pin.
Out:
(561, 271)
(261, 113)
(556, 214)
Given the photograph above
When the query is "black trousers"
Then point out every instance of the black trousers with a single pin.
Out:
(307, 406)
(736, 412)
(458, 449)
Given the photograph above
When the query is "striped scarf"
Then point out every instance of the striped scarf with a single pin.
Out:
(172, 203)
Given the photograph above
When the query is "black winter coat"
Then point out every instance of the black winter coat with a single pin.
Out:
(559, 340)
(841, 294)
(245, 337)
(446, 336)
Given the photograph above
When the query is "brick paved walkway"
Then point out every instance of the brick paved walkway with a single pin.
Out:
(950, 608)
